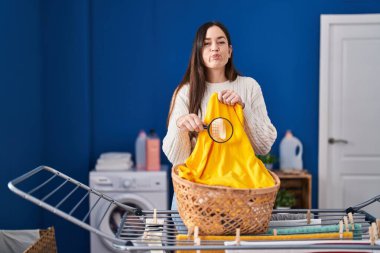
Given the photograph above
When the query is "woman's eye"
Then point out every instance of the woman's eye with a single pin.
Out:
(222, 42)
(207, 43)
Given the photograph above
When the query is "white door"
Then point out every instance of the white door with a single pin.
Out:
(349, 111)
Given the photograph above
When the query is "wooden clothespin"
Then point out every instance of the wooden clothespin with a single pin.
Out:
(308, 214)
(275, 231)
(190, 232)
(346, 223)
(375, 231)
(351, 219)
(371, 236)
(378, 226)
(197, 242)
(196, 232)
(154, 216)
(341, 229)
(154, 220)
(237, 239)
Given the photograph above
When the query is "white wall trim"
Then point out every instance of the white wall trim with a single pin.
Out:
(323, 106)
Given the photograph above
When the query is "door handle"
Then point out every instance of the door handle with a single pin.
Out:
(333, 141)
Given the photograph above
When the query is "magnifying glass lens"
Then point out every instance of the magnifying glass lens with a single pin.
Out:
(220, 130)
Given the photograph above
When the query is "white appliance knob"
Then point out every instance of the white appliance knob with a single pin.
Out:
(127, 183)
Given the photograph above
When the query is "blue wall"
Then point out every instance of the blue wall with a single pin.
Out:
(81, 77)
(21, 122)
(66, 98)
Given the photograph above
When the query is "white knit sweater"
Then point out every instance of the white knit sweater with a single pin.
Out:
(261, 132)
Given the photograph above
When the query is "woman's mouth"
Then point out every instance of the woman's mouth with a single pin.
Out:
(215, 57)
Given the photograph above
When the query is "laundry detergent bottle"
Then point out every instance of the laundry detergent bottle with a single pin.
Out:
(290, 152)
(153, 149)
(140, 151)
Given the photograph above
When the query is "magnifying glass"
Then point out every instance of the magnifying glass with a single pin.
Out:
(220, 129)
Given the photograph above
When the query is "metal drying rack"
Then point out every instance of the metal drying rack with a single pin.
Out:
(147, 230)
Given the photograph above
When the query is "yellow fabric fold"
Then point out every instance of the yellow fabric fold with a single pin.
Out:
(233, 163)
(345, 235)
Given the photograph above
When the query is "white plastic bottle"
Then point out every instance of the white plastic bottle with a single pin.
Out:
(291, 152)
(140, 151)
(153, 149)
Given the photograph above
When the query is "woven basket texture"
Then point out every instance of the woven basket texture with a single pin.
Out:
(45, 244)
(218, 210)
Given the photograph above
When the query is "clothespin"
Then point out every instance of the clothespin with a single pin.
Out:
(346, 223)
(154, 216)
(237, 239)
(378, 226)
(197, 242)
(196, 232)
(351, 218)
(190, 232)
(275, 231)
(154, 221)
(371, 236)
(374, 231)
(341, 229)
(308, 216)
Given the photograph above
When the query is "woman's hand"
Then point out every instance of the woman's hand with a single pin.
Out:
(230, 97)
(190, 122)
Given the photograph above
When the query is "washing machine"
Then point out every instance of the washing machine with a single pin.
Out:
(140, 189)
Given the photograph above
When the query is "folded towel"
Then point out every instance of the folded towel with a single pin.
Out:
(114, 161)
(316, 229)
(297, 243)
(302, 222)
(113, 166)
(116, 155)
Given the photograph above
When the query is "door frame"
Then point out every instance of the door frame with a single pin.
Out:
(327, 21)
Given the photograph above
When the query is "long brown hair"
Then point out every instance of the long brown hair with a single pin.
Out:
(195, 74)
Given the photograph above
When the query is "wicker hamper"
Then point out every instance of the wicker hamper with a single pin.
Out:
(46, 243)
(218, 210)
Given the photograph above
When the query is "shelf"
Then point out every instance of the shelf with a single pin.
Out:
(297, 182)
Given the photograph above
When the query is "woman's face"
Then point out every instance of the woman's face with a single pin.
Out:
(216, 51)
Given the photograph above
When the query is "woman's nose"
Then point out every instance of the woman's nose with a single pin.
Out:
(214, 47)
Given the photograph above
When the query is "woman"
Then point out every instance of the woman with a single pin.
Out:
(211, 70)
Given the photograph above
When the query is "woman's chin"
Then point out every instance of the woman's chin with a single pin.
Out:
(217, 65)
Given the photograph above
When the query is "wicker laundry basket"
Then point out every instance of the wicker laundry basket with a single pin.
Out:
(218, 210)
(46, 243)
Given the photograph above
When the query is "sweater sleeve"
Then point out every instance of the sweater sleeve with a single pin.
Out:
(258, 126)
(176, 144)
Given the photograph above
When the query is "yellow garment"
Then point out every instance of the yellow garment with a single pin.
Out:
(345, 235)
(233, 163)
